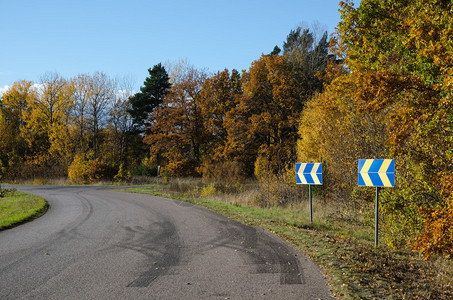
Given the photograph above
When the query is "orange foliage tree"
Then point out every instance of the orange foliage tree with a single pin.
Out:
(219, 96)
(264, 122)
(177, 136)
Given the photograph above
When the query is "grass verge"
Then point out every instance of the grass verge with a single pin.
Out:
(344, 249)
(17, 208)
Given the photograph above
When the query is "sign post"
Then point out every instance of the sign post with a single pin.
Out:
(158, 174)
(310, 202)
(377, 173)
(1, 174)
(376, 216)
(309, 173)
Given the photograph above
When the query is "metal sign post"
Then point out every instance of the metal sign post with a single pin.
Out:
(377, 173)
(309, 173)
(376, 221)
(158, 173)
(1, 174)
(309, 197)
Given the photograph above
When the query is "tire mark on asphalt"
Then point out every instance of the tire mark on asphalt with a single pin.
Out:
(160, 244)
(266, 254)
(259, 250)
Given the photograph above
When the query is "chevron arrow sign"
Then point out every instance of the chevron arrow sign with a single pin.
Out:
(309, 173)
(376, 172)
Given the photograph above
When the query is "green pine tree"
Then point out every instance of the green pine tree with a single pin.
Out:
(151, 95)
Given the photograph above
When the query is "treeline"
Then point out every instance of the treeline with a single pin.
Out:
(383, 90)
(78, 127)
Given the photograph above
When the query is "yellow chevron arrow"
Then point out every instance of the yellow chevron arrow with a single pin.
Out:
(301, 174)
(382, 172)
(364, 172)
(313, 173)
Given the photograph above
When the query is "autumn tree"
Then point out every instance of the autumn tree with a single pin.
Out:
(13, 106)
(48, 122)
(219, 96)
(177, 136)
(270, 106)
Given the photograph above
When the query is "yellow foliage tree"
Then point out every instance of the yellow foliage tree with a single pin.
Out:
(48, 121)
(13, 107)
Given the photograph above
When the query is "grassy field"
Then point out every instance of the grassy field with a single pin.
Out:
(342, 247)
(17, 208)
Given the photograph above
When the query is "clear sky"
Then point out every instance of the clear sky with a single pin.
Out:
(125, 38)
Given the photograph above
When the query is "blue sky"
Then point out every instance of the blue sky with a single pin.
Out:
(125, 38)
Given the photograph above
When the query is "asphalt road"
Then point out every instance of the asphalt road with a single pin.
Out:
(100, 244)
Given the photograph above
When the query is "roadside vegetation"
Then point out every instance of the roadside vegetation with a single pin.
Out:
(17, 208)
(344, 248)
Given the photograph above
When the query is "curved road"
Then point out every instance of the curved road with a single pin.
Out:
(100, 244)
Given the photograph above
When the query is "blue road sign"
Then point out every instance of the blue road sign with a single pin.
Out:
(309, 173)
(376, 172)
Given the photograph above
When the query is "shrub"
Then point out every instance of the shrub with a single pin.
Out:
(83, 171)
(276, 189)
(208, 190)
(78, 170)
(143, 170)
(122, 174)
